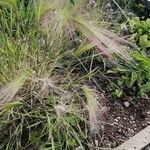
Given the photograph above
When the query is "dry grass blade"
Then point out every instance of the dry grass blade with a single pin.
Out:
(47, 86)
(97, 43)
(8, 92)
(92, 108)
(107, 42)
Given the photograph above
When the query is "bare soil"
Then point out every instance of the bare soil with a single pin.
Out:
(123, 122)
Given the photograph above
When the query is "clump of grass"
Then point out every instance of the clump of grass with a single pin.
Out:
(46, 56)
(51, 124)
(75, 19)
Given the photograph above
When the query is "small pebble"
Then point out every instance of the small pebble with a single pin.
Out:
(119, 130)
(126, 104)
(118, 118)
(115, 123)
(125, 118)
(96, 143)
(130, 131)
(135, 129)
(132, 118)
(148, 113)
(133, 122)
(148, 122)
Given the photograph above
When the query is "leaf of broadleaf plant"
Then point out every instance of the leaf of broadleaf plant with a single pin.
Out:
(134, 77)
(144, 42)
(145, 88)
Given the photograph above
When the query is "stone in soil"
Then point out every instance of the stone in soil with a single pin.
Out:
(126, 104)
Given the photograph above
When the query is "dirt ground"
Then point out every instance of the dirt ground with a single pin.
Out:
(124, 119)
